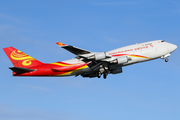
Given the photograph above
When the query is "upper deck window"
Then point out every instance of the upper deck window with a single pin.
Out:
(162, 41)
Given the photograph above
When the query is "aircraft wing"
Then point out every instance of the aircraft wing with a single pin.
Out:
(99, 62)
(72, 49)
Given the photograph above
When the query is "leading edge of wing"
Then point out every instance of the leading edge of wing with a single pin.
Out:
(72, 49)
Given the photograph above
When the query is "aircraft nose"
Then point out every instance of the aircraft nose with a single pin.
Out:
(172, 47)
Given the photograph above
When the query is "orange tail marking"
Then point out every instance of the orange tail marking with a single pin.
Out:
(20, 59)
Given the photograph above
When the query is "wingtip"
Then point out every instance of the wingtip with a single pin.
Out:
(60, 44)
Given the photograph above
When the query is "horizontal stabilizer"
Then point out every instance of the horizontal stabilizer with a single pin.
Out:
(19, 70)
(72, 49)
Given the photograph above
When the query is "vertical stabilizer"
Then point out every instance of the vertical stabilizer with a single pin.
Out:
(20, 59)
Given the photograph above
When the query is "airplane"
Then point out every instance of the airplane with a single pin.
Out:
(89, 64)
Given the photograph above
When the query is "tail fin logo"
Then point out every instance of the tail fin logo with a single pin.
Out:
(18, 55)
(26, 62)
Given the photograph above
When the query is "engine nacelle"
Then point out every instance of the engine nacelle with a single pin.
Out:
(121, 60)
(89, 75)
(116, 71)
(98, 56)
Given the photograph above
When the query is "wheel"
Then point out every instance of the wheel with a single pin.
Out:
(166, 60)
(105, 76)
(99, 74)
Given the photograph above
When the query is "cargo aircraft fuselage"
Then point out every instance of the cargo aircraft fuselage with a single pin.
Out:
(89, 64)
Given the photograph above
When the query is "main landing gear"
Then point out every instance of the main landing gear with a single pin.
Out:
(105, 74)
(100, 68)
(104, 71)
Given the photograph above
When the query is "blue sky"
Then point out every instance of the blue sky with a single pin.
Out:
(144, 91)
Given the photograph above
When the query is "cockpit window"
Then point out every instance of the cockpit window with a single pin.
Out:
(162, 41)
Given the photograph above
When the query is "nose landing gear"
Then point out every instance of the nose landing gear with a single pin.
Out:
(166, 60)
(165, 57)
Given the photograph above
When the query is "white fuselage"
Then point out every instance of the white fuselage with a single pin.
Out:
(144, 51)
(139, 52)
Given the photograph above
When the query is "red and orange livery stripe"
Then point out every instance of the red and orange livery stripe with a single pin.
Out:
(131, 55)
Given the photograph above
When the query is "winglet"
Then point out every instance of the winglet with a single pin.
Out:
(60, 44)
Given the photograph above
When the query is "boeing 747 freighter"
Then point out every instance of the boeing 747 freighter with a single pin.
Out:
(87, 63)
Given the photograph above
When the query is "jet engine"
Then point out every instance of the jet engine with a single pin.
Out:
(98, 56)
(116, 71)
(121, 60)
(91, 75)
